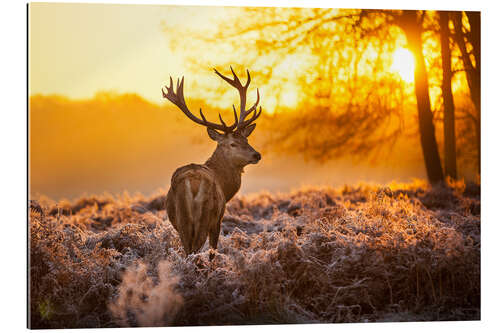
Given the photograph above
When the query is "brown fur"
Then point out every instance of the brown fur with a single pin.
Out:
(198, 193)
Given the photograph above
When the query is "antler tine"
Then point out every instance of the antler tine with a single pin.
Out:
(235, 77)
(255, 104)
(177, 98)
(235, 114)
(251, 120)
(222, 121)
(242, 90)
(180, 89)
(163, 91)
(202, 115)
(248, 79)
(235, 82)
(242, 123)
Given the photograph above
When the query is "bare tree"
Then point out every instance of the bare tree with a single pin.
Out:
(411, 23)
(472, 63)
(353, 111)
(450, 155)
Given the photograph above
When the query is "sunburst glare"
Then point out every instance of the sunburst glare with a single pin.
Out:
(403, 63)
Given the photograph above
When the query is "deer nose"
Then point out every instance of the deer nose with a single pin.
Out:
(257, 156)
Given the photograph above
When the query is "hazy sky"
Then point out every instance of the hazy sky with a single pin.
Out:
(78, 49)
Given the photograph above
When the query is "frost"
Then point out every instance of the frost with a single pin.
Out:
(354, 254)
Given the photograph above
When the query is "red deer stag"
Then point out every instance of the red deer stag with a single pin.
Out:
(198, 193)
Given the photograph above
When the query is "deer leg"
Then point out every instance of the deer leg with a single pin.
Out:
(214, 238)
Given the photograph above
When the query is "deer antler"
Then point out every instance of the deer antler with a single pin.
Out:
(177, 98)
(242, 90)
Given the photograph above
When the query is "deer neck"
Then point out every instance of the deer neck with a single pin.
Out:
(228, 176)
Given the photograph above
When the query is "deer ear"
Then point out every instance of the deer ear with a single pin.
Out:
(214, 135)
(248, 130)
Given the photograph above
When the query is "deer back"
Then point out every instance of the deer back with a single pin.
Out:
(195, 205)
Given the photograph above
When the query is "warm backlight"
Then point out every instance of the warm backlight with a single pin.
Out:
(403, 64)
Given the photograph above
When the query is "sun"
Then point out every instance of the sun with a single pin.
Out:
(403, 63)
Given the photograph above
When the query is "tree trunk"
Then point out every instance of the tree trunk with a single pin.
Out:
(412, 27)
(450, 154)
(475, 40)
(475, 37)
(472, 71)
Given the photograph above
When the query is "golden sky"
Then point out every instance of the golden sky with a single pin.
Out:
(83, 51)
(79, 49)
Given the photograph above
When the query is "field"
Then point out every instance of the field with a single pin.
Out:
(366, 253)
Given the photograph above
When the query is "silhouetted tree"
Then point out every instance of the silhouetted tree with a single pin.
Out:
(357, 107)
(411, 23)
(450, 155)
(472, 63)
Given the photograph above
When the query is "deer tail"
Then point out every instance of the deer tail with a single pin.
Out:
(198, 202)
(193, 213)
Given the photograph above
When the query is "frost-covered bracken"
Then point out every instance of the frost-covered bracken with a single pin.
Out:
(402, 252)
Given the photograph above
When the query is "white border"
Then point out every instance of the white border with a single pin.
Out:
(13, 140)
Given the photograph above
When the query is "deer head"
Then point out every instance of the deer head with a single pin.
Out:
(231, 140)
